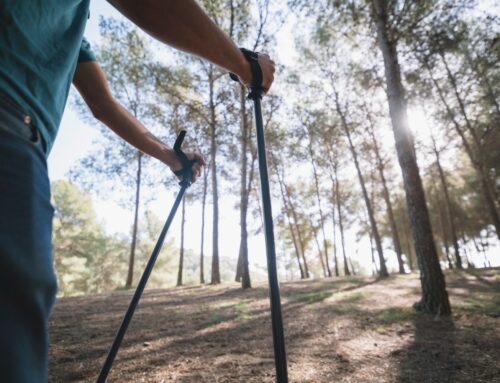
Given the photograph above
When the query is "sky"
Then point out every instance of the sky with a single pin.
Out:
(75, 141)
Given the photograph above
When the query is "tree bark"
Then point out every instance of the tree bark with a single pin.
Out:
(215, 196)
(386, 196)
(299, 233)
(341, 224)
(318, 197)
(434, 295)
(320, 254)
(447, 201)
(181, 252)
(203, 205)
(369, 208)
(286, 212)
(335, 258)
(410, 246)
(443, 231)
(130, 274)
(242, 271)
(481, 163)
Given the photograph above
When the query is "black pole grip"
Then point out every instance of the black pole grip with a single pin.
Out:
(256, 90)
(186, 173)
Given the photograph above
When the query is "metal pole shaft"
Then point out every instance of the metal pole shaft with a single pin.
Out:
(277, 322)
(139, 290)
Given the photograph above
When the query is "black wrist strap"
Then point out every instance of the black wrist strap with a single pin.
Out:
(256, 90)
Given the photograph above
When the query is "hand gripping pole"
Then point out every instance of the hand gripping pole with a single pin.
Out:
(255, 94)
(186, 175)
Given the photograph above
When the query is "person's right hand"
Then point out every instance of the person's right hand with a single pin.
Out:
(268, 68)
(176, 164)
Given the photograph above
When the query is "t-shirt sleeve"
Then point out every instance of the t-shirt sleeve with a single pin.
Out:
(86, 53)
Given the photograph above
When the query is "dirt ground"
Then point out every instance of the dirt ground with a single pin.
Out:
(337, 330)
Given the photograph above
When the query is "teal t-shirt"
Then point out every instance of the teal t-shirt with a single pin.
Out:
(41, 42)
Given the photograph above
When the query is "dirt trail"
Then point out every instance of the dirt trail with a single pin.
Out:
(337, 330)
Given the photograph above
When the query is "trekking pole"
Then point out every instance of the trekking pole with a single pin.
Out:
(255, 94)
(186, 174)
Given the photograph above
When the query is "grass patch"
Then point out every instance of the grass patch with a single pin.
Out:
(393, 315)
(350, 296)
(340, 308)
(215, 318)
(242, 311)
(313, 297)
(483, 305)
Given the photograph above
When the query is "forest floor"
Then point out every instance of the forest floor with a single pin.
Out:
(337, 330)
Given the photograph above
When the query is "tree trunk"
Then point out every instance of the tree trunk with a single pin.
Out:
(320, 254)
(130, 274)
(341, 224)
(410, 246)
(335, 258)
(299, 233)
(434, 295)
(386, 196)
(203, 204)
(181, 252)
(488, 189)
(215, 196)
(286, 212)
(485, 82)
(242, 269)
(369, 208)
(443, 231)
(318, 197)
(449, 210)
(374, 263)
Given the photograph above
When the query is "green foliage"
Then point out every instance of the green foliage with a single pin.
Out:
(87, 259)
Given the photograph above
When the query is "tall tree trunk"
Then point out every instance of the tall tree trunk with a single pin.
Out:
(470, 264)
(297, 227)
(286, 212)
(335, 258)
(320, 254)
(488, 189)
(130, 274)
(386, 195)
(318, 197)
(410, 246)
(443, 230)
(485, 82)
(374, 263)
(447, 201)
(215, 196)
(332, 159)
(341, 224)
(203, 205)
(242, 271)
(434, 295)
(181, 252)
(369, 208)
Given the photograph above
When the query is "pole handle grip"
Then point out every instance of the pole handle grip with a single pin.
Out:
(186, 173)
(256, 90)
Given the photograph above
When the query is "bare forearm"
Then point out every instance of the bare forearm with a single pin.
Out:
(184, 25)
(118, 119)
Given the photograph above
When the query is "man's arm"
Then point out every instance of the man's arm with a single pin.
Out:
(91, 82)
(184, 25)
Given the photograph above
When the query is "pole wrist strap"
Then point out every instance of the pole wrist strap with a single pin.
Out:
(256, 90)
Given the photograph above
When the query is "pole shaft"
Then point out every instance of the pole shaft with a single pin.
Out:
(274, 293)
(138, 292)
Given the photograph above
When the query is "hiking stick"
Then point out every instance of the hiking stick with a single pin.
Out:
(255, 94)
(186, 175)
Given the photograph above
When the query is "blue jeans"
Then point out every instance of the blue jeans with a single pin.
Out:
(27, 280)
